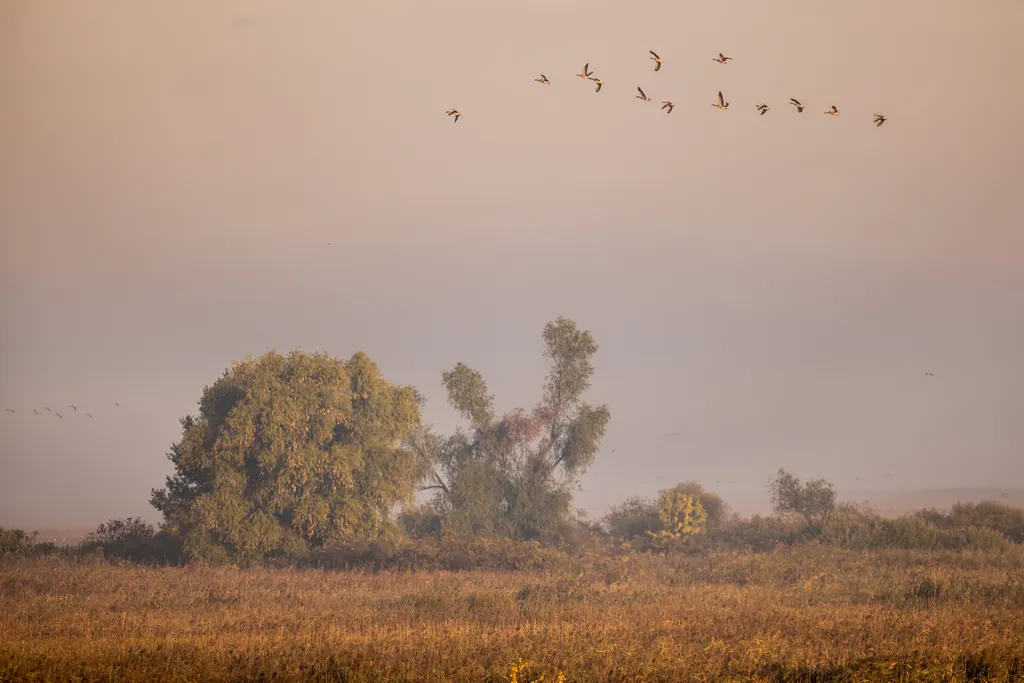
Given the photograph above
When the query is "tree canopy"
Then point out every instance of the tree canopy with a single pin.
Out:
(512, 475)
(808, 499)
(288, 452)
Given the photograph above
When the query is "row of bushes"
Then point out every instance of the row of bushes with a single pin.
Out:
(630, 528)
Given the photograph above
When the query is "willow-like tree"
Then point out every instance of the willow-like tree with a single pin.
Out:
(512, 475)
(290, 452)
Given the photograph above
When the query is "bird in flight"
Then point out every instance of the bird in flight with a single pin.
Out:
(721, 103)
(116, 404)
(450, 113)
(36, 411)
(880, 119)
(642, 95)
(89, 415)
(665, 104)
(59, 415)
(46, 408)
(587, 73)
(833, 111)
(721, 59)
(599, 84)
(543, 79)
(656, 58)
(74, 408)
(763, 108)
(928, 374)
(796, 103)
(10, 410)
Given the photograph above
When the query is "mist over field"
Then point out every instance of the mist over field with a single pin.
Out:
(364, 341)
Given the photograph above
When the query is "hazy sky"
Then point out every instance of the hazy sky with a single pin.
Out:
(770, 289)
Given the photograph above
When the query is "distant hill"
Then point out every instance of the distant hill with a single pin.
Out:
(893, 503)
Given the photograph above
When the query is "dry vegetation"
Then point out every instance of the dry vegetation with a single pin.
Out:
(806, 613)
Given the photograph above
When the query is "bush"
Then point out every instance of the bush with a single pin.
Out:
(16, 543)
(990, 514)
(133, 540)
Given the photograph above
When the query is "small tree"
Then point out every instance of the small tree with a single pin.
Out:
(808, 499)
(681, 516)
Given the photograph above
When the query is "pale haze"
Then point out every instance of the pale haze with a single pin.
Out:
(186, 183)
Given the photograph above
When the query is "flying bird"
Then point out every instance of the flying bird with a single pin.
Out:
(36, 411)
(880, 119)
(74, 408)
(543, 79)
(721, 59)
(116, 404)
(721, 103)
(763, 108)
(89, 415)
(665, 104)
(656, 58)
(928, 374)
(10, 410)
(796, 103)
(833, 111)
(456, 113)
(587, 73)
(599, 84)
(59, 415)
(46, 409)
(642, 95)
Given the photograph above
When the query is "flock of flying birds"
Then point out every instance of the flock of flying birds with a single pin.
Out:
(667, 105)
(46, 410)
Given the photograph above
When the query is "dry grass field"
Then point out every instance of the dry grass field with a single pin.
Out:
(798, 614)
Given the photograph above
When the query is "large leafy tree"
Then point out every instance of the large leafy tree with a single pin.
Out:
(287, 452)
(512, 475)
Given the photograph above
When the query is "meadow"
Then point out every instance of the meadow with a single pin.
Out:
(799, 613)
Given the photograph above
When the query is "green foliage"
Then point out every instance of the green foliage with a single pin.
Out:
(16, 543)
(681, 516)
(288, 452)
(639, 517)
(512, 476)
(134, 540)
(807, 499)
(990, 514)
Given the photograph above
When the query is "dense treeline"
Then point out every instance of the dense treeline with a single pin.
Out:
(309, 459)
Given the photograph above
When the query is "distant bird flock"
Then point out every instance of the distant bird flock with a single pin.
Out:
(46, 409)
(668, 105)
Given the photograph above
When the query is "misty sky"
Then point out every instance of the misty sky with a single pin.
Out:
(772, 290)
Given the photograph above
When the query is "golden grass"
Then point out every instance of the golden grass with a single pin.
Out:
(802, 614)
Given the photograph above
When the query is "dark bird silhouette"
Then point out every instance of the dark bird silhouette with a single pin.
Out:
(721, 59)
(456, 113)
(928, 374)
(74, 408)
(59, 415)
(116, 404)
(642, 95)
(46, 408)
(543, 79)
(763, 108)
(656, 58)
(11, 410)
(599, 83)
(833, 111)
(797, 104)
(665, 104)
(36, 411)
(89, 415)
(721, 103)
(586, 73)
(880, 119)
